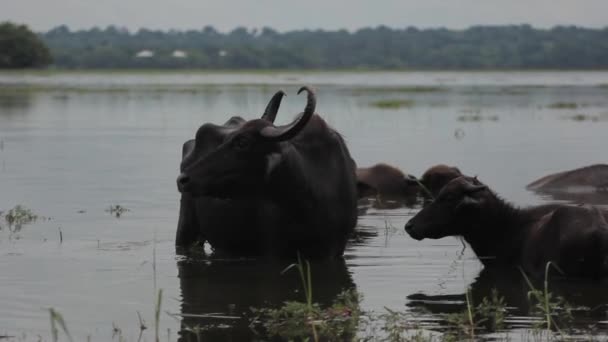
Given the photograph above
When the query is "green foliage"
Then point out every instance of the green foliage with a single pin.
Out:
(400, 327)
(117, 210)
(17, 217)
(392, 104)
(479, 47)
(300, 321)
(563, 105)
(487, 316)
(21, 48)
(57, 319)
(477, 118)
(555, 311)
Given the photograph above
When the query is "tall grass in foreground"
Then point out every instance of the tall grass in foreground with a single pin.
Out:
(344, 321)
(549, 306)
(300, 321)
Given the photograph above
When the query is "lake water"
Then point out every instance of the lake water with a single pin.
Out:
(73, 144)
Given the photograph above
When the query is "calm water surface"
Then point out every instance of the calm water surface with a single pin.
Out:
(73, 144)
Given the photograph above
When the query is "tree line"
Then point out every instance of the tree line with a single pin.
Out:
(478, 47)
(21, 48)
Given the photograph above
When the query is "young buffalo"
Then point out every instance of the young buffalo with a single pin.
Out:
(574, 238)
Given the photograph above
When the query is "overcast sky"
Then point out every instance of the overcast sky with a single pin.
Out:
(286, 15)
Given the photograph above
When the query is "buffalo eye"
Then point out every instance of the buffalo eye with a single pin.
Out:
(241, 143)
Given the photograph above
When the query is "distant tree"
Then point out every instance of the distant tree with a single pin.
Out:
(478, 47)
(21, 48)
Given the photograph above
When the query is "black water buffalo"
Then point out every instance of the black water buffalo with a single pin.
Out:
(385, 181)
(188, 226)
(254, 188)
(583, 185)
(573, 237)
(588, 178)
(437, 176)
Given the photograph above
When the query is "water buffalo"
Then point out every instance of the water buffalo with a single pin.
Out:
(584, 185)
(254, 188)
(573, 237)
(437, 176)
(588, 178)
(385, 181)
(188, 226)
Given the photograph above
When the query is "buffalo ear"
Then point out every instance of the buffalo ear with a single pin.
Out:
(272, 161)
(469, 202)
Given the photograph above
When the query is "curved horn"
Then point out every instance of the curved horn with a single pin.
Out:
(270, 113)
(286, 132)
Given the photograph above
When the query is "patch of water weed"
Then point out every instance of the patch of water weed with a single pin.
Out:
(117, 210)
(486, 317)
(301, 321)
(397, 326)
(392, 104)
(563, 105)
(17, 217)
(583, 118)
(308, 320)
(477, 118)
(553, 311)
(57, 319)
(410, 89)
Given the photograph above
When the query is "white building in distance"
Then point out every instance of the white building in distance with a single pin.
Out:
(144, 54)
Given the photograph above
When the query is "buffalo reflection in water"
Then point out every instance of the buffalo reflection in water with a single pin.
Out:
(588, 297)
(217, 294)
(595, 197)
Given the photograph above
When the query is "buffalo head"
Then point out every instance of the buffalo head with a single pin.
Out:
(243, 155)
(437, 176)
(459, 199)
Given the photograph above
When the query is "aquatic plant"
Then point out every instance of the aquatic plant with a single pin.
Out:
(57, 319)
(17, 217)
(476, 118)
(488, 316)
(300, 321)
(553, 310)
(583, 117)
(563, 105)
(308, 320)
(392, 104)
(117, 210)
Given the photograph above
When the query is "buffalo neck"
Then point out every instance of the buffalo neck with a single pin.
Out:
(496, 232)
(290, 171)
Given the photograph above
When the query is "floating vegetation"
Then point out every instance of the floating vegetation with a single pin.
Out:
(17, 217)
(583, 117)
(408, 89)
(392, 104)
(487, 317)
(563, 105)
(296, 321)
(117, 210)
(477, 118)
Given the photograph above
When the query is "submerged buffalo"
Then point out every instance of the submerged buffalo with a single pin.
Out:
(575, 238)
(253, 188)
(385, 181)
(588, 178)
(388, 181)
(436, 177)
